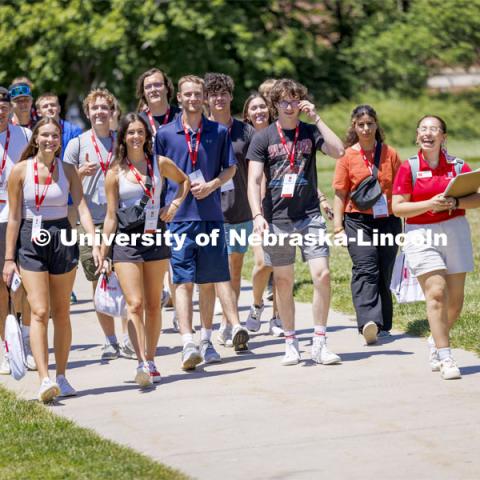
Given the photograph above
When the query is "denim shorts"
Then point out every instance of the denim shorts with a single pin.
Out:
(236, 236)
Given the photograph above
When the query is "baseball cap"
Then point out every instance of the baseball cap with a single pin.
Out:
(19, 90)
(4, 95)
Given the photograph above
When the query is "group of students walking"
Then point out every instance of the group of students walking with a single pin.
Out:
(194, 170)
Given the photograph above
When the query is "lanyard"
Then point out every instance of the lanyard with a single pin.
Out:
(291, 153)
(39, 200)
(5, 151)
(149, 192)
(193, 153)
(365, 159)
(99, 155)
(152, 120)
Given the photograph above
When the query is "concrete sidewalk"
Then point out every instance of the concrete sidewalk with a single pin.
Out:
(381, 413)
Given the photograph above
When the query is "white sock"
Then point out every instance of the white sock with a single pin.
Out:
(444, 353)
(320, 331)
(25, 331)
(60, 376)
(205, 334)
(126, 338)
(431, 344)
(187, 338)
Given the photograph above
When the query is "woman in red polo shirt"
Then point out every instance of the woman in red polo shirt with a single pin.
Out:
(440, 269)
(372, 265)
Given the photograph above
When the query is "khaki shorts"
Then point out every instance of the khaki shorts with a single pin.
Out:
(86, 258)
(423, 256)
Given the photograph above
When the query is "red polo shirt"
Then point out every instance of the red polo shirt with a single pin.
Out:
(430, 182)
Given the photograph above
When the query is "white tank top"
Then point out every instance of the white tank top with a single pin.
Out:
(130, 193)
(55, 204)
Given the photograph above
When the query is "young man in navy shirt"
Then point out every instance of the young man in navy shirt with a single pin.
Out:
(203, 150)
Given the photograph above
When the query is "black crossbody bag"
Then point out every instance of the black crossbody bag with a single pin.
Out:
(369, 191)
(130, 218)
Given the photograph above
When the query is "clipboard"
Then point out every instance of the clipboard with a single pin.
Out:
(463, 184)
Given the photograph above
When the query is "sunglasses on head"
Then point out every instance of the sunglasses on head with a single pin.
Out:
(20, 90)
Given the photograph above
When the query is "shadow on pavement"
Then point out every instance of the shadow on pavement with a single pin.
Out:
(354, 356)
(471, 370)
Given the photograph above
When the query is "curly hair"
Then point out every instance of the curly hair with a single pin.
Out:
(286, 86)
(218, 82)
(99, 93)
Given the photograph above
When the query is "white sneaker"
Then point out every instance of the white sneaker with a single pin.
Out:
(224, 335)
(48, 390)
(218, 310)
(321, 354)
(449, 369)
(276, 327)
(292, 353)
(66, 390)
(142, 376)
(154, 373)
(433, 359)
(29, 360)
(253, 322)
(370, 332)
(5, 366)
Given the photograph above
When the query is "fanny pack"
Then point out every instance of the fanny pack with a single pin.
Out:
(369, 191)
(130, 218)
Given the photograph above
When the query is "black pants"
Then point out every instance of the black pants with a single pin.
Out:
(372, 268)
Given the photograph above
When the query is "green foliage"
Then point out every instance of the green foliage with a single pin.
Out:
(399, 115)
(39, 445)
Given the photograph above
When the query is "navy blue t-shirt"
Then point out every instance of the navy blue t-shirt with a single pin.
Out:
(214, 155)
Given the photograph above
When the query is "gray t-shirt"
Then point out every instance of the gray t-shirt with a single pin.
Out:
(93, 186)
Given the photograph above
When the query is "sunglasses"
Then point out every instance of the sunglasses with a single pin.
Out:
(284, 104)
(20, 90)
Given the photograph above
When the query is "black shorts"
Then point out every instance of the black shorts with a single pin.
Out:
(54, 257)
(138, 252)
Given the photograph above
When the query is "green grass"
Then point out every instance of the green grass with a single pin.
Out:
(412, 317)
(36, 444)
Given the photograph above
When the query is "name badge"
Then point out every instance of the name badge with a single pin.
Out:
(151, 219)
(36, 227)
(16, 282)
(3, 192)
(424, 174)
(288, 187)
(380, 209)
(227, 186)
(101, 196)
(196, 176)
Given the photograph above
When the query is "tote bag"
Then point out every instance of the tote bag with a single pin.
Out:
(404, 285)
(109, 298)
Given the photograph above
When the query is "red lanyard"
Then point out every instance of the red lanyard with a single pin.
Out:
(365, 159)
(5, 152)
(152, 121)
(99, 155)
(193, 153)
(39, 200)
(149, 192)
(291, 153)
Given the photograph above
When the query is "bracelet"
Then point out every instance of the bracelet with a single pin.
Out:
(258, 214)
(338, 230)
(9, 260)
(174, 204)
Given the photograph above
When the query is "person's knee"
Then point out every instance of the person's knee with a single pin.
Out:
(283, 281)
(321, 279)
(152, 307)
(40, 313)
(135, 306)
(436, 296)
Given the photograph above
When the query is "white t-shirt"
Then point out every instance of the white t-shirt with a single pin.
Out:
(19, 137)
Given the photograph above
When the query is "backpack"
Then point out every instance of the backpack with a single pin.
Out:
(415, 166)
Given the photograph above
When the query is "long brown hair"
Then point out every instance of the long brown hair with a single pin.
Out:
(140, 93)
(32, 147)
(120, 144)
(360, 111)
(249, 100)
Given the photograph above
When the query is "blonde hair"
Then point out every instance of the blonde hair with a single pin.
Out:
(98, 93)
(191, 78)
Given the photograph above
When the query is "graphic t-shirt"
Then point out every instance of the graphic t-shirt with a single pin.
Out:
(93, 186)
(235, 206)
(267, 147)
(19, 137)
